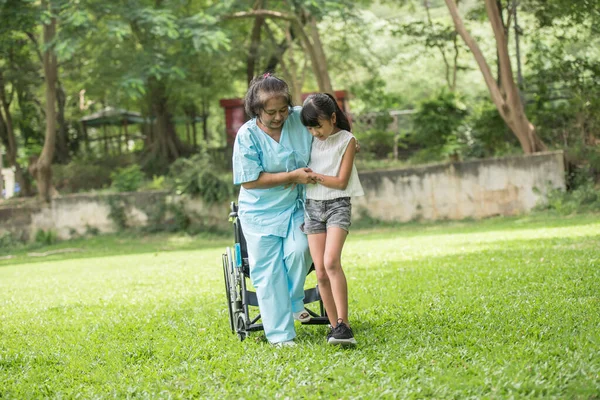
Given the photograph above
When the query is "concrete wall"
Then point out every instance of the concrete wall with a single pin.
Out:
(473, 189)
(75, 214)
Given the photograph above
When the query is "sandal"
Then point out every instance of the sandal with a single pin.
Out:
(302, 316)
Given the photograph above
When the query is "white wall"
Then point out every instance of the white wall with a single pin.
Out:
(473, 189)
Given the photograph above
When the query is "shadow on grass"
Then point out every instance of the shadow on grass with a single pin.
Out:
(114, 245)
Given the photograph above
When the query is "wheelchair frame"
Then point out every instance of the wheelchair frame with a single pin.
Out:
(236, 270)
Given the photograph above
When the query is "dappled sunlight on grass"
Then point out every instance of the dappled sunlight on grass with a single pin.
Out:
(419, 244)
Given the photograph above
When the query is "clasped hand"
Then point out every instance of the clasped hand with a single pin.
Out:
(302, 176)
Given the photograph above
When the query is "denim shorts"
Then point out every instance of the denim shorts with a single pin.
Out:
(319, 215)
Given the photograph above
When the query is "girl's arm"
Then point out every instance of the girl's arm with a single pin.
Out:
(340, 181)
(268, 180)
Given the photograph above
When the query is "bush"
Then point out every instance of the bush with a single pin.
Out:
(10, 241)
(375, 143)
(127, 179)
(117, 212)
(79, 176)
(157, 183)
(45, 238)
(196, 176)
(87, 173)
(437, 119)
(488, 134)
(582, 196)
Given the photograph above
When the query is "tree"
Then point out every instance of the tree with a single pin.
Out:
(304, 24)
(43, 168)
(506, 98)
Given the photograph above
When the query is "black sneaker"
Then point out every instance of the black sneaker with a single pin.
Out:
(330, 333)
(342, 334)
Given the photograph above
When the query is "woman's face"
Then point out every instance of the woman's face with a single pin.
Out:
(274, 113)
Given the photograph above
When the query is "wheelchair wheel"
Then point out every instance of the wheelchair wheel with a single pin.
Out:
(228, 291)
(241, 327)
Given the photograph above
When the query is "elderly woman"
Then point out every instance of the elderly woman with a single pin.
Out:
(270, 158)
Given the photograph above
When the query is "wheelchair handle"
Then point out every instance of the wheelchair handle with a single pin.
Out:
(233, 214)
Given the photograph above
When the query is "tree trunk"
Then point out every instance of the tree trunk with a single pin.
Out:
(195, 131)
(509, 103)
(166, 144)
(290, 68)
(254, 44)
(320, 58)
(43, 167)
(86, 139)
(188, 135)
(62, 149)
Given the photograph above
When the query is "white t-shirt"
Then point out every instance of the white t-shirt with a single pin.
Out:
(326, 158)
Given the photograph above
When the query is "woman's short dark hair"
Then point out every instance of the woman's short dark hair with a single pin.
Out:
(263, 88)
(320, 106)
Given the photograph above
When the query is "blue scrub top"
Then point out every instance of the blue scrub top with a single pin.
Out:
(268, 211)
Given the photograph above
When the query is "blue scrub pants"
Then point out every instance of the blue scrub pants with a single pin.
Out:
(278, 268)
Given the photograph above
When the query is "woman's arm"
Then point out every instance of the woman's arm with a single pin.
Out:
(268, 180)
(340, 181)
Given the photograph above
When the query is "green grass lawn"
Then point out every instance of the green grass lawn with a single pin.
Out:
(501, 308)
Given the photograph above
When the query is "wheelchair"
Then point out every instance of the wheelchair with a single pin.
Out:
(236, 271)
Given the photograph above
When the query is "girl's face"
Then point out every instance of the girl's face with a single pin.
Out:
(325, 129)
(274, 113)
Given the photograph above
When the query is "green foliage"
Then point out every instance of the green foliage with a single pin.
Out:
(45, 238)
(156, 215)
(128, 179)
(87, 173)
(143, 56)
(487, 133)
(372, 96)
(79, 176)
(437, 122)
(582, 195)
(167, 218)
(567, 89)
(9, 241)
(375, 143)
(91, 230)
(196, 176)
(549, 12)
(181, 221)
(117, 212)
(437, 118)
(157, 183)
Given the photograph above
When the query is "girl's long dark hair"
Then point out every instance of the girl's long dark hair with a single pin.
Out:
(262, 88)
(320, 106)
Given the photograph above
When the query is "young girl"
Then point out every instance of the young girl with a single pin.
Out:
(328, 208)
